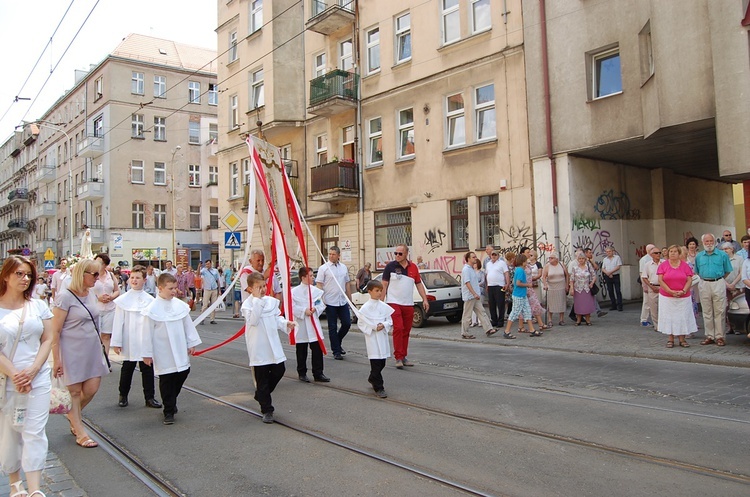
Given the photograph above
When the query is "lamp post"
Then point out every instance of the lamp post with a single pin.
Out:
(174, 228)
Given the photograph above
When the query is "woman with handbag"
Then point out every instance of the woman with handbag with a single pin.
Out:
(582, 279)
(25, 342)
(78, 352)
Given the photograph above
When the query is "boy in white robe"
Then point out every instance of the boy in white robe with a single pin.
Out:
(375, 322)
(170, 339)
(127, 337)
(307, 305)
(262, 325)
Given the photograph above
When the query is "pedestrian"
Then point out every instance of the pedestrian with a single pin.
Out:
(651, 280)
(589, 253)
(106, 290)
(472, 298)
(582, 279)
(198, 279)
(733, 281)
(363, 277)
(727, 238)
(128, 335)
(692, 246)
(307, 302)
(498, 283)
(150, 284)
(675, 307)
(170, 269)
(183, 291)
(211, 279)
(477, 266)
(532, 275)
(375, 323)
(555, 282)
(332, 278)
(55, 284)
(421, 264)
(400, 277)
(510, 261)
(645, 309)
(257, 264)
(521, 309)
(169, 340)
(712, 266)
(190, 282)
(40, 289)
(611, 272)
(237, 296)
(262, 325)
(26, 335)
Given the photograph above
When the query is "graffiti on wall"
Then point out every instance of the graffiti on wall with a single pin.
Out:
(434, 239)
(583, 222)
(639, 251)
(611, 206)
(598, 241)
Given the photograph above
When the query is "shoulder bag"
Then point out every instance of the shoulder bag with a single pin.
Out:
(4, 377)
(96, 327)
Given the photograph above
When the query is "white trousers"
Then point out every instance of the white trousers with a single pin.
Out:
(27, 449)
(714, 303)
(474, 305)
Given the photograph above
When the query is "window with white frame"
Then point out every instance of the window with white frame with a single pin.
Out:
(375, 141)
(246, 171)
(195, 217)
(98, 88)
(484, 110)
(406, 133)
(160, 86)
(234, 112)
(232, 54)
(138, 214)
(346, 59)
(373, 50)
(347, 143)
(213, 217)
(319, 64)
(160, 173)
(213, 133)
(451, 21)
(194, 132)
(194, 92)
(99, 126)
(257, 98)
(403, 38)
(136, 126)
(213, 94)
(256, 15)
(481, 19)
(234, 179)
(605, 72)
(321, 149)
(136, 171)
(194, 175)
(456, 121)
(160, 216)
(160, 129)
(213, 175)
(98, 217)
(137, 85)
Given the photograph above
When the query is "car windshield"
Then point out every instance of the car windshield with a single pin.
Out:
(438, 279)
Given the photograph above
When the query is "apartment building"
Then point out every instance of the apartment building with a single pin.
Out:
(129, 152)
(403, 122)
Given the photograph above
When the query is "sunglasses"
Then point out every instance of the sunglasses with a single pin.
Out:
(22, 275)
(95, 275)
(398, 253)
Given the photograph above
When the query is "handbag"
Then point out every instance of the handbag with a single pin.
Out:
(594, 289)
(96, 327)
(4, 377)
(59, 399)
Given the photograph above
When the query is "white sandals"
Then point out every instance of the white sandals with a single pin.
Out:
(18, 490)
(38, 493)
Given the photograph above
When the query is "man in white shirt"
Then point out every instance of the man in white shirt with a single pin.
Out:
(168, 269)
(651, 280)
(57, 278)
(645, 308)
(498, 279)
(333, 279)
(611, 271)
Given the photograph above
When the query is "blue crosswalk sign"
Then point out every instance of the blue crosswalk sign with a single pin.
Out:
(232, 240)
(49, 264)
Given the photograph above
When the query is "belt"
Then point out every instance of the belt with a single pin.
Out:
(711, 279)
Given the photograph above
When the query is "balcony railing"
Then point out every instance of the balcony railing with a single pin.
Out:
(328, 17)
(335, 84)
(90, 189)
(46, 173)
(18, 224)
(334, 181)
(91, 147)
(18, 195)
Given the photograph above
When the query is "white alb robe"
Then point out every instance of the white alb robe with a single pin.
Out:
(169, 333)
(262, 325)
(372, 313)
(129, 324)
(305, 331)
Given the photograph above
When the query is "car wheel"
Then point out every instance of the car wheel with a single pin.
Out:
(419, 318)
(454, 318)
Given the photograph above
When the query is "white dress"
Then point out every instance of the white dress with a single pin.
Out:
(262, 325)
(308, 327)
(129, 324)
(106, 310)
(169, 333)
(86, 252)
(372, 313)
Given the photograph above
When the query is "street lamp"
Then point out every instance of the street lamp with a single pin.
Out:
(174, 229)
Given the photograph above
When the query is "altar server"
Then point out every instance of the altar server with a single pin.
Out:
(307, 305)
(375, 322)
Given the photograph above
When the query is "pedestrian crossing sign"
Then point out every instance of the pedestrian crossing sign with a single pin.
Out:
(232, 240)
(49, 264)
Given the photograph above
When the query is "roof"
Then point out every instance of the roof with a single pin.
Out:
(166, 52)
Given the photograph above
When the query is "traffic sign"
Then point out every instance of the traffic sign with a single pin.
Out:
(232, 240)
(49, 255)
(232, 221)
(48, 264)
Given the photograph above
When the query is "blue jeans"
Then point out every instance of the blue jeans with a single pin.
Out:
(336, 334)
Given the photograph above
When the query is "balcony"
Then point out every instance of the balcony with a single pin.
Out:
(45, 209)
(45, 244)
(328, 17)
(18, 225)
(18, 196)
(91, 147)
(46, 173)
(334, 92)
(98, 234)
(334, 181)
(90, 190)
(212, 191)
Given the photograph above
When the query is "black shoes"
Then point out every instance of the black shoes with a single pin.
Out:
(213, 322)
(338, 357)
(304, 378)
(268, 418)
(381, 394)
(322, 378)
(169, 419)
(123, 401)
(343, 352)
(153, 403)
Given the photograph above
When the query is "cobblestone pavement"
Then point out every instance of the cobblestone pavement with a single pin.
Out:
(56, 480)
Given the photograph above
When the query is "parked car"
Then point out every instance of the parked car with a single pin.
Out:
(739, 315)
(443, 294)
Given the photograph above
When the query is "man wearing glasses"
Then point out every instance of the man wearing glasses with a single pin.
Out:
(727, 237)
(399, 278)
(651, 282)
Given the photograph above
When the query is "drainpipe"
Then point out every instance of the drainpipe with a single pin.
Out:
(358, 146)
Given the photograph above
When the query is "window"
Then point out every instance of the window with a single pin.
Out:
(321, 149)
(160, 86)
(329, 236)
(213, 94)
(480, 15)
(194, 92)
(347, 144)
(195, 217)
(213, 217)
(489, 219)
(234, 112)
(138, 213)
(392, 228)
(456, 122)
(232, 46)
(137, 83)
(246, 171)
(459, 224)
(375, 141)
(98, 218)
(194, 132)
(256, 89)
(256, 15)
(136, 126)
(451, 21)
(319, 64)
(213, 133)
(346, 61)
(607, 79)
(160, 216)
(403, 38)
(213, 175)
(160, 173)
(373, 50)
(160, 129)
(406, 133)
(234, 180)
(99, 126)
(136, 171)
(484, 107)
(194, 175)
(98, 88)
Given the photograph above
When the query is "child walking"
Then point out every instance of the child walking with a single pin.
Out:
(262, 324)
(521, 305)
(169, 340)
(375, 322)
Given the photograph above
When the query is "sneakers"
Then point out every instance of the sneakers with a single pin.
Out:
(645, 324)
(268, 418)
(338, 357)
(169, 419)
(601, 314)
(123, 401)
(407, 363)
(399, 364)
(381, 394)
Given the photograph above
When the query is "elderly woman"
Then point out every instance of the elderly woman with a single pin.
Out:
(25, 343)
(611, 265)
(363, 277)
(555, 283)
(472, 298)
(733, 280)
(675, 306)
(106, 290)
(78, 352)
(582, 279)
(532, 275)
